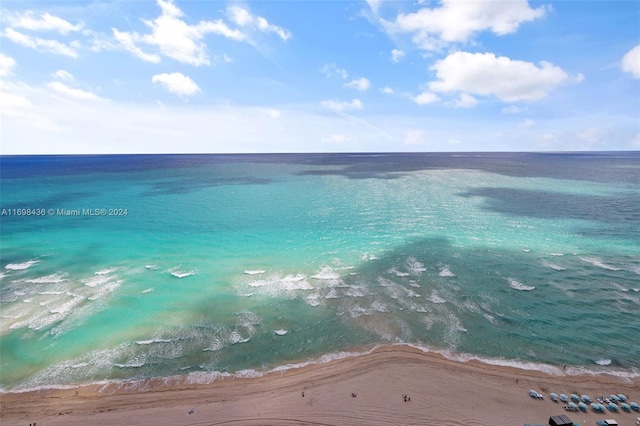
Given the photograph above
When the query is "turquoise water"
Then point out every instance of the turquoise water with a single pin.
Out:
(242, 264)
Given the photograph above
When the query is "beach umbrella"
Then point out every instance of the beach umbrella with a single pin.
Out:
(625, 407)
(583, 407)
(586, 399)
(573, 405)
(564, 397)
(575, 398)
(634, 406)
(553, 396)
(612, 407)
(595, 407)
(622, 397)
(601, 407)
(614, 398)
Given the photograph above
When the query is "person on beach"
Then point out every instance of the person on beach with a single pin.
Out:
(303, 394)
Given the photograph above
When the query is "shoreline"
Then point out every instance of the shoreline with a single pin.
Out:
(209, 377)
(445, 391)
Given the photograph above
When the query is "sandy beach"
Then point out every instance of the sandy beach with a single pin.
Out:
(441, 392)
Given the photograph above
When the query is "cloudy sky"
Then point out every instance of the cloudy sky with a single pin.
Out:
(318, 76)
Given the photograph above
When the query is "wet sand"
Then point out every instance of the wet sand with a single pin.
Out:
(442, 392)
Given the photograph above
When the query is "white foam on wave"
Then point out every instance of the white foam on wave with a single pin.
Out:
(21, 266)
(599, 263)
(368, 257)
(96, 280)
(287, 283)
(603, 362)
(152, 267)
(326, 273)
(355, 291)
(619, 287)
(553, 266)
(398, 273)
(151, 341)
(254, 271)
(106, 271)
(2, 275)
(556, 254)
(446, 272)
(332, 294)
(415, 267)
(148, 290)
(281, 332)
(179, 273)
(519, 286)
(435, 298)
(313, 299)
(48, 279)
(236, 338)
(105, 289)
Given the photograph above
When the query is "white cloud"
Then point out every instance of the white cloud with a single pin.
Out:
(374, 5)
(593, 134)
(631, 62)
(52, 46)
(337, 138)
(62, 75)
(70, 92)
(414, 137)
(242, 17)
(272, 113)
(466, 101)
(485, 74)
(7, 64)
(387, 90)
(362, 84)
(635, 142)
(426, 98)
(176, 83)
(512, 109)
(340, 106)
(46, 22)
(527, 122)
(329, 70)
(127, 41)
(396, 55)
(174, 38)
(12, 104)
(458, 21)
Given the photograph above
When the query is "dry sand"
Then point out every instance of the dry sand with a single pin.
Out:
(442, 392)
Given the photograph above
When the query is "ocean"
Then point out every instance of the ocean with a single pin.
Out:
(118, 269)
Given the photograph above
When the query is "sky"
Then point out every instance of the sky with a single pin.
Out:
(171, 76)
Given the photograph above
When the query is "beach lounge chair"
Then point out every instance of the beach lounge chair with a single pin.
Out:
(564, 398)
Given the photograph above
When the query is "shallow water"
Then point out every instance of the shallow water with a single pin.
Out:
(246, 263)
